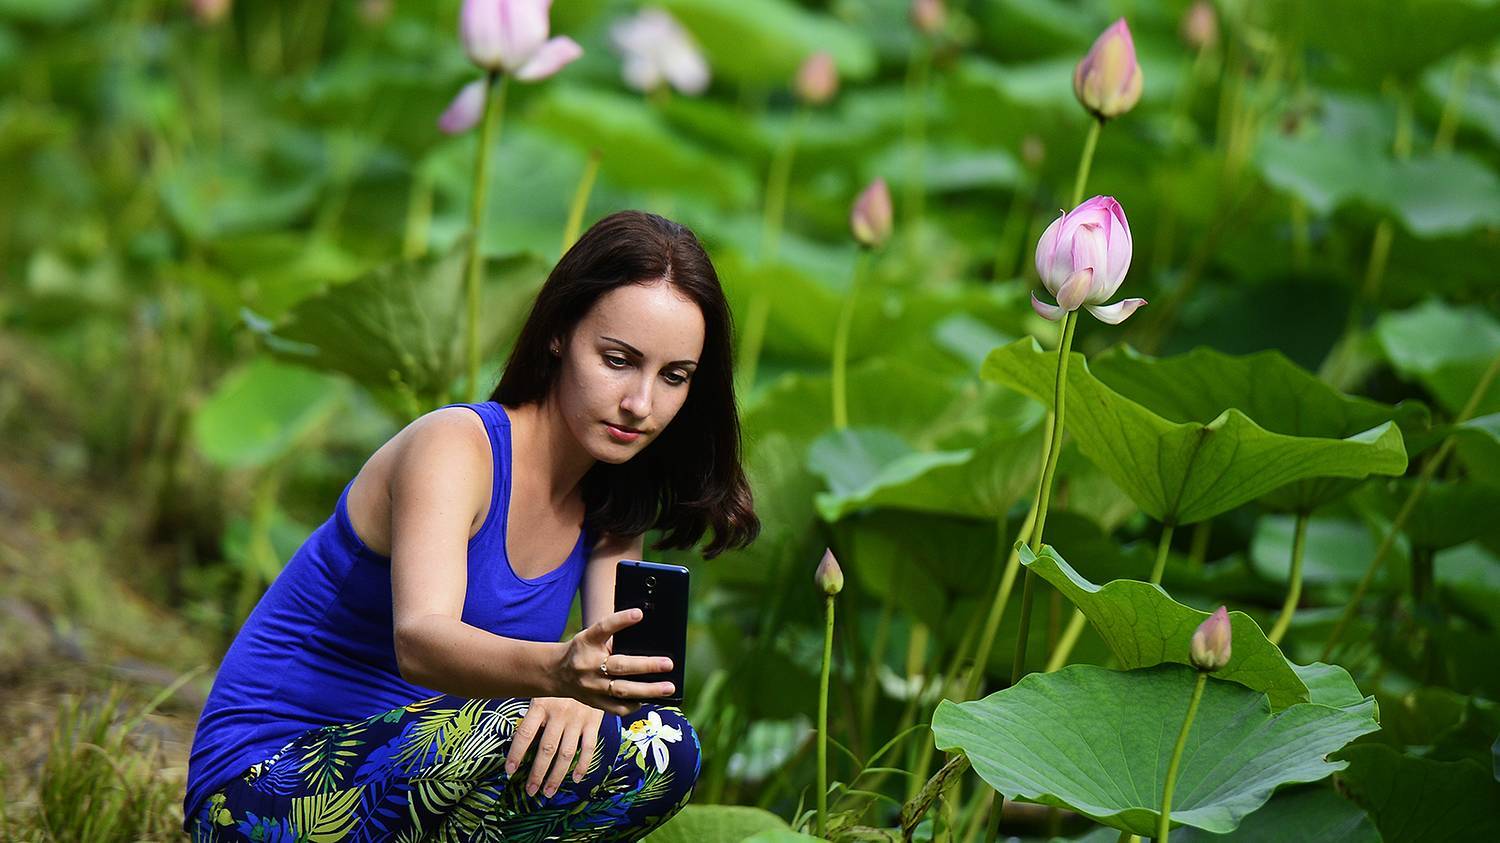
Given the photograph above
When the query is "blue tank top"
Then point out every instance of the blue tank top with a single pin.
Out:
(318, 649)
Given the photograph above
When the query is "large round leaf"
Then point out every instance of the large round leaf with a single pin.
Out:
(873, 467)
(1316, 813)
(1444, 347)
(1099, 741)
(1421, 800)
(1189, 471)
(261, 411)
(1144, 626)
(716, 824)
(1278, 394)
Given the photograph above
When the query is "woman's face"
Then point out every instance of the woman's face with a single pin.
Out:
(628, 367)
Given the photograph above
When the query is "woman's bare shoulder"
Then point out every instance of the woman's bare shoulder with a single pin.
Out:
(427, 450)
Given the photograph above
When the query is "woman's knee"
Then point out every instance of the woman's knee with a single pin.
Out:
(666, 741)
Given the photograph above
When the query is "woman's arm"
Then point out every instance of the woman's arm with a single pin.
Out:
(438, 486)
(597, 591)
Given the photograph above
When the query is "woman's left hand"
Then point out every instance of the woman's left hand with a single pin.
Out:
(568, 729)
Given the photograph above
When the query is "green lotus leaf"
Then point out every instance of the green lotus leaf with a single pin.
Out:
(716, 824)
(1447, 514)
(263, 410)
(1419, 800)
(872, 467)
(1144, 626)
(1316, 812)
(1189, 471)
(1477, 442)
(1099, 741)
(399, 327)
(1444, 347)
(1269, 388)
(762, 42)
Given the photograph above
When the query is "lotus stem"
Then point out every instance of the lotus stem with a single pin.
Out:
(1044, 490)
(1164, 822)
(1425, 479)
(822, 825)
(841, 345)
(1163, 547)
(580, 201)
(1002, 599)
(494, 107)
(1086, 161)
(1066, 643)
(1294, 581)
(1442, 139)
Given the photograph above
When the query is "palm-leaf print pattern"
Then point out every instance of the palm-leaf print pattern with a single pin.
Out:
(434, 770)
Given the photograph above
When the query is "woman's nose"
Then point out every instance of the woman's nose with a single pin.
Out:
(637, 402)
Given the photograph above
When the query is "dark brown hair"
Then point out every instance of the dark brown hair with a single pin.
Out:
(690, 477)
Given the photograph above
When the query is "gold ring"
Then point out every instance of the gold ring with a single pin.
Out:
(611, 687)
(604, 667)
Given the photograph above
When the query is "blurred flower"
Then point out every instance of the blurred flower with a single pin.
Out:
(1200, 25)
(929, 16)
(466, 109)
(870, 219)
(829, 576)
(375, 12)
(1082, 258)
(209, 12)
(511, 35)
(656, 48)
(1033, 151)
(1209, 650)
(1108, 80)
(817, 79)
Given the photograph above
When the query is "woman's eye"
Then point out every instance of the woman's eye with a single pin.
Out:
(676, 379)
(613, 360)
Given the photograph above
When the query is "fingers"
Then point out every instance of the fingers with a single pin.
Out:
(588, 747)
(630, 665)
(625, 689)
(525, 732)
(608, 625)
(550, 743)
(566, 751)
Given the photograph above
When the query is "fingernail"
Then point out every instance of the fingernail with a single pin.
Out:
(530, 790)
(509, 769)
(666, 664)
(551, 791)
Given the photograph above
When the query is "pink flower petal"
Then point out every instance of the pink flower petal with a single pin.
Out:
(1046, 311)
(551, 58)
(1076, 289)
(1115, 313)
(465, 111)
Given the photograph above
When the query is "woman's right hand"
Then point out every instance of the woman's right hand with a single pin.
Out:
(579, 675)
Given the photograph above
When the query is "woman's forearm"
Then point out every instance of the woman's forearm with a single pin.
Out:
(452, 657)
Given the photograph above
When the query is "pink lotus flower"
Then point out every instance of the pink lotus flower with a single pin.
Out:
(1209, 649)
(817, 79)
(870, 218)
(1082, 258)
(511, 35)
(466, 109)
(928, 16)
(657, 49)
(1108, 80)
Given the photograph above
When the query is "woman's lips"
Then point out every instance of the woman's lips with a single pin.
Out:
(622, 435)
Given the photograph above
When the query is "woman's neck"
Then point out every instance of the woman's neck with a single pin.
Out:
(548, 451)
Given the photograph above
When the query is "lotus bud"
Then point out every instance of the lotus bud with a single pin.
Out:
(1200, 25)
(466, 109)
(1209, 650)
(929, 16)
(829, 576)
(209, 12)
(870, 218)
(375, 12)
(1108, 80)
(1033, 152)
(1095, 237)
(511, 35)
(817, 79)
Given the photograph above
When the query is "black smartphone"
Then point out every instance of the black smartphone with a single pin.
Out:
(661, 593)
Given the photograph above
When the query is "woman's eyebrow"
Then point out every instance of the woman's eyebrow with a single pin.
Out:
(637, 352)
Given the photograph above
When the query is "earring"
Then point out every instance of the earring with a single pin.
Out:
(556, 350)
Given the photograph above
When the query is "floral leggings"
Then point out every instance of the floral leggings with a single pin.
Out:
(435, 770)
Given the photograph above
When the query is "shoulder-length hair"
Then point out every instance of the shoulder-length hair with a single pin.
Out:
(690, 477)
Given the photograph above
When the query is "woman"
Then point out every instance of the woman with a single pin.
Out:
(396, 677)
